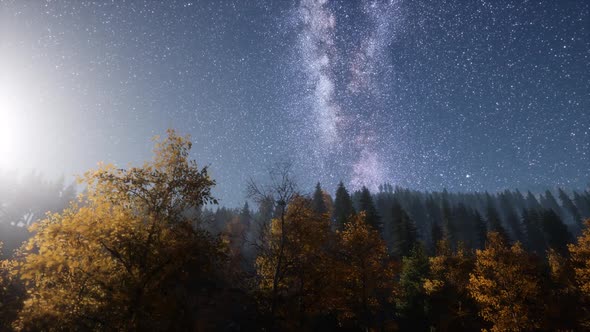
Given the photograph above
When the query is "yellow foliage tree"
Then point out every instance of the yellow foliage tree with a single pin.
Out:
(447, 288)
(580, 258)
(364, 274)
(563, 310)
(505, 285)
(297, 246)
(119, 257)
(9, 294)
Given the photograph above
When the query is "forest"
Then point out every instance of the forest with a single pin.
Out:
(147, 248)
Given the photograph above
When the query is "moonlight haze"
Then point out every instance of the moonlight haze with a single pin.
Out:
(463, 95)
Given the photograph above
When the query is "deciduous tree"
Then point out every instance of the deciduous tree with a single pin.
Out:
(365, 275)
(300, 242)
(505, 285)
(126, 256)
(580, 257)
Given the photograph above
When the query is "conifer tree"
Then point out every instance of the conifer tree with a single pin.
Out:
(480, 230)
(531, 201)
(413, 301)
(436, 234)
(569, 205)
(367, 205)
(511, 217)
(535, 238)
(245, 215)
(494, 221)
(582, 204)
(318, 203)
(556, 232)
(343, 207)
(449, 225)
(549, 202)
(403, 231)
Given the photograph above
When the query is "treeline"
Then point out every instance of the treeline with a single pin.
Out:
(24, 199)
(405, 217)
(139, 251)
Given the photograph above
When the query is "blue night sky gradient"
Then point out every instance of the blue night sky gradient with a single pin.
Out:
(463, 95)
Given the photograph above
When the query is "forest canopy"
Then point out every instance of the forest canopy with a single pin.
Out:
(145, 248)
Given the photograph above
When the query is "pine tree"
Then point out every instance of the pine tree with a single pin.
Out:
(433, 210)
(436, 234)
(449, 227)
(535, 238)
(570, 207)
(531, 201)
(518, 200)
(511, 216)
(318, 203)
(494, 222)
(343, 208)
(413, 302)
(463, 220)
(367, 205)
(556, 232)
(403, 231)
(245, 215)
(549, 202)
(582, 205)
(480, 230)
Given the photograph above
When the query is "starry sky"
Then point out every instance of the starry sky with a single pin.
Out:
(463, 95)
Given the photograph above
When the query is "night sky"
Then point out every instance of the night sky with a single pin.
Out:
(463, 95)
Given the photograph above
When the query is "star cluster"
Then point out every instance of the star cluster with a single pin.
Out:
(477, 95)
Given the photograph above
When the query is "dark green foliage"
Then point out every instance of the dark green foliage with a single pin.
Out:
(436, 234)
(433, 210)
(449, 222)
(462, 220)
(403, 232)
(582, 204)
(480, 230)
(531, 201)
(343, 207)
(495, 223)
(318, 203)
(464, 225)
(413, 304)
(535, 241)
(556, 232)
(507, 203)
(366, 204)
(569, 205)
(549, 202)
